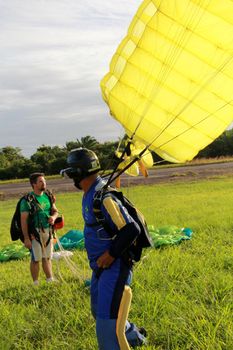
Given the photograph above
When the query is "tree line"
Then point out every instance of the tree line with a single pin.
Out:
(51, 159)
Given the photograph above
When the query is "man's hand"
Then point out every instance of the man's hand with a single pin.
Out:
(105, 260)
(28, 243)
(51, 220)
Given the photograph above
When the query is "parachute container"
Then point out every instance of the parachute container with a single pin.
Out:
(171, 79)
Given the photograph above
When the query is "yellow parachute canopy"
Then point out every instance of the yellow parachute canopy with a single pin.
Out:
(143, 162)
(171, 79)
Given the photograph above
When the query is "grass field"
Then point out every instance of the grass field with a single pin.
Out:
(182, 295)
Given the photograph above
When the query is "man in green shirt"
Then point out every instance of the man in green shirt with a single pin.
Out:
(38, 235)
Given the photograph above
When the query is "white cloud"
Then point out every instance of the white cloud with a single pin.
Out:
(53, 55)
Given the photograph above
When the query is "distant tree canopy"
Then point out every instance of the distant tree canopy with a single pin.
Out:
(50, 160)
(85, 142)
(222, 146)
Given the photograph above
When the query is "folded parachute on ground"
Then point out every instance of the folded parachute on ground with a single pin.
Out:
(169, 235)
(171, 79)
(13, 251)
(73, 239)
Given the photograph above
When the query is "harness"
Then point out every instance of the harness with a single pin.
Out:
(133, 253)
(34, 207)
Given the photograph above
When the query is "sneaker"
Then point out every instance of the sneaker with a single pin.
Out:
(136, 336)
(51, 280)
(142, 331)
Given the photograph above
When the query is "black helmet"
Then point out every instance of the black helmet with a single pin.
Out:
(83, 162)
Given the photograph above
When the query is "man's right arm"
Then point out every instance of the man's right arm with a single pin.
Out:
(128, 230)
(24, 226)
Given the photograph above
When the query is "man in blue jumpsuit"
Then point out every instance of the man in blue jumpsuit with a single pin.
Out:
(106, 254)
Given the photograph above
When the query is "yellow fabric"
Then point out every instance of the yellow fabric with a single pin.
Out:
(171, 78)
(122, 318)
(132, 170)
(114, 212)
(146, 161)
(146, 158)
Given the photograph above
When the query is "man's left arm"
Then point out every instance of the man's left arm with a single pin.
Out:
(54, 214)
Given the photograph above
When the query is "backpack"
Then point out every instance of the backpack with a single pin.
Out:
(15, 228)
(142, 241)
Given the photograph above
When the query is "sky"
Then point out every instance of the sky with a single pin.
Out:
(53, 55)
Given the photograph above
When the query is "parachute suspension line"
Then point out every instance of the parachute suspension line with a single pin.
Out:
(111, 161)
(136, 158)
(125, 151)
(164, 74)
(160, 161)
(181, 37)
(120, 172)
(119, 143)
(211, 77)
(173, 54)
(172, 57)
(73, 268)
(189, 128)
(193, 126)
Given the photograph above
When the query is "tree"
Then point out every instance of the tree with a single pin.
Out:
(85, 142)
(3, 161)
(88, 142)
(222, 146)
(50, 160)
(11, 161)
(9, 154)
(106, 154)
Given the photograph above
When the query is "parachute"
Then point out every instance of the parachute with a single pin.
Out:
(142, 164)
(171, 79)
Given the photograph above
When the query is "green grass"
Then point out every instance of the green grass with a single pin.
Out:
(183, 295)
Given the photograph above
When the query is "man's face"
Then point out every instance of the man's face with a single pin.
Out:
(40, 184)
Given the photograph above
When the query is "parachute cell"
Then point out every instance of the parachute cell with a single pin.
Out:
(171, 79)
(142, 163)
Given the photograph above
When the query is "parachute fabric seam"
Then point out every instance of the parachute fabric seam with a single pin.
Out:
(144, 112)
(195, 125)
(178, 49)
(195, 14)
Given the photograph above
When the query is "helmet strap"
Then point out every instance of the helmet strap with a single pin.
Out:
(77, 184)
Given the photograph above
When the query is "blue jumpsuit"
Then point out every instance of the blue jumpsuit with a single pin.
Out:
(107, 285)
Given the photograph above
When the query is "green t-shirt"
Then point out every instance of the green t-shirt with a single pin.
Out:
(40, 218)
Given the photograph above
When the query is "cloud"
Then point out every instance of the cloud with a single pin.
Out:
(53, 56)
